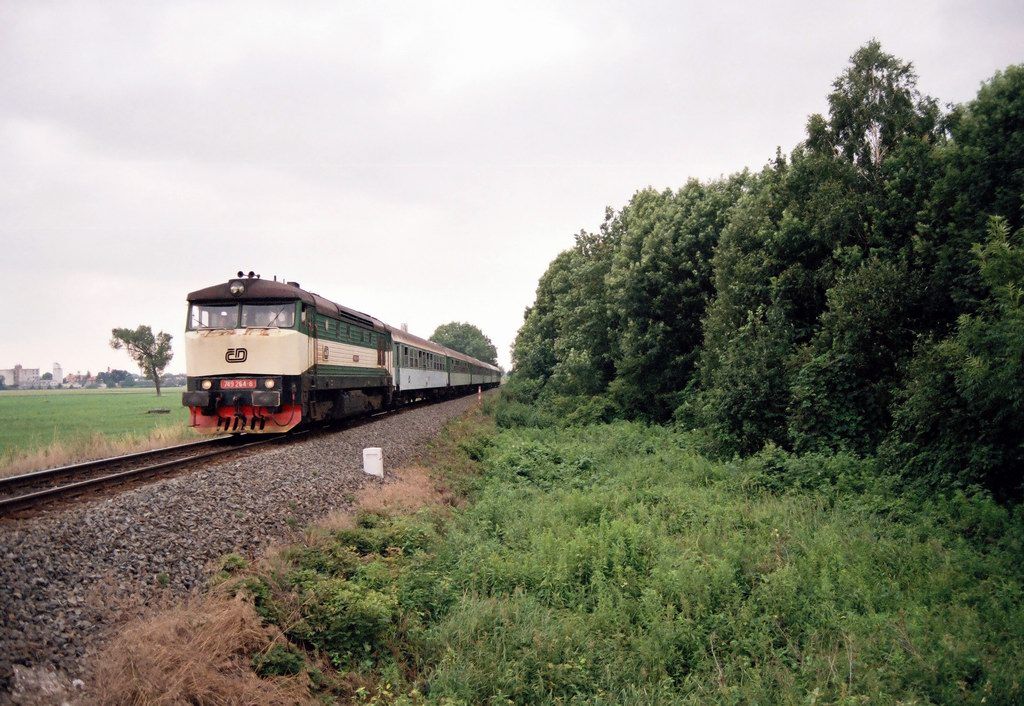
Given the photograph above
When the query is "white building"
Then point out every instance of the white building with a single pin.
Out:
(20, 377)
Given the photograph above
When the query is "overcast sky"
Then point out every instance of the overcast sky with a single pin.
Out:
(422, 162)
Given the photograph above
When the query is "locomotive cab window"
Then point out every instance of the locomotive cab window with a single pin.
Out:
(212, 316)
(268, 315)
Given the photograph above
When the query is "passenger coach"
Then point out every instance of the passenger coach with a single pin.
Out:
(266, 356)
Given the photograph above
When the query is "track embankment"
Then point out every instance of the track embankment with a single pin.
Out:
(70, 576)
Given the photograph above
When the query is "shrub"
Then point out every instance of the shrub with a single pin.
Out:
(344, 618)
(509, 414)
(279, 661)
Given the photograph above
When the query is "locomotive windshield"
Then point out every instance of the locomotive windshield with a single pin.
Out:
(213, 316)
(268, 315)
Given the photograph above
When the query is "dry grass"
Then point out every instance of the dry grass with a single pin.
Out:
(63, 453)
(197, 653)
(413, 489)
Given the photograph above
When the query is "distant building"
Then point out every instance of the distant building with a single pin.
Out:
(58, 373)
(20, 377)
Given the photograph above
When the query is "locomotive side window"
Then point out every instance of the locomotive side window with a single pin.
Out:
(205, 316)
(268, 315)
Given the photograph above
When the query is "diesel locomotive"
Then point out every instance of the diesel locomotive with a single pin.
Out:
(264, 356)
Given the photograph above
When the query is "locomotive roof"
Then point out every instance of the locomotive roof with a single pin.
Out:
(257, 289)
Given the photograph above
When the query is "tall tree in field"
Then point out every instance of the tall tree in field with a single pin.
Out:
(467, 339)
(151, 353)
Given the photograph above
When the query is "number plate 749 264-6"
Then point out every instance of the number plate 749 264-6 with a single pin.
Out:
(245, 384)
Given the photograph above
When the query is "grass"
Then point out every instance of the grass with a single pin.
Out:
(43, 428)
(614, 564)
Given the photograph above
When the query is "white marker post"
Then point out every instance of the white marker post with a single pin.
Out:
(373, 462)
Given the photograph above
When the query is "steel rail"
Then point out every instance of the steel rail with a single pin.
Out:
(19, 481)
(29, 500)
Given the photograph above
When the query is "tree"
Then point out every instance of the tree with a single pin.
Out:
(873, 106)
(843, 392)
(959, 420)
(151, 353)
(468, 339)
(659, 286)
(114, 378)
(47, 376)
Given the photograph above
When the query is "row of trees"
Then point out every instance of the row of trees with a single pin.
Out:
(862, 293)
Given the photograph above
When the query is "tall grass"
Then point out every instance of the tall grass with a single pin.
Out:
(46, 428)
(98, 445)
(614, 564)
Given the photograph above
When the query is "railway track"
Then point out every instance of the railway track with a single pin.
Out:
(30, 490)
(23, 493)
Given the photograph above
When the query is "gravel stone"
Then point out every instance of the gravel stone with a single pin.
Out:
(72, 575)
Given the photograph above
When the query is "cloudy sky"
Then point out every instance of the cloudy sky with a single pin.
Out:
(422, 162)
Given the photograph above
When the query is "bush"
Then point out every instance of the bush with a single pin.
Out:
(279, 661)
(344, 618)
(509, 415)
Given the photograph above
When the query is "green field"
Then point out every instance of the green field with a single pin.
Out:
(32, 419)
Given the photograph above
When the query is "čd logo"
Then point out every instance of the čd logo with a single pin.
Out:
(236, 355)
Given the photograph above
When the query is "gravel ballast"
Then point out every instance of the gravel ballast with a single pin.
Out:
(72, 573)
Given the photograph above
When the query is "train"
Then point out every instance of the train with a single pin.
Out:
(265, 356)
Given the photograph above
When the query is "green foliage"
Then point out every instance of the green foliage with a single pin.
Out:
(115, 378)
(565, 340)
(745, 392)
(842, 394)
(466, 338)
(344, 618)
(658, 288)
(807, 306)
(151, 353)
(279, 661)
(873, 107)
(233, 563)
(613, 564)
(959, 419)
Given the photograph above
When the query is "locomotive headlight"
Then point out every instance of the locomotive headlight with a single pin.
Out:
(269, 384)
(237, 288)
(207, 384)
